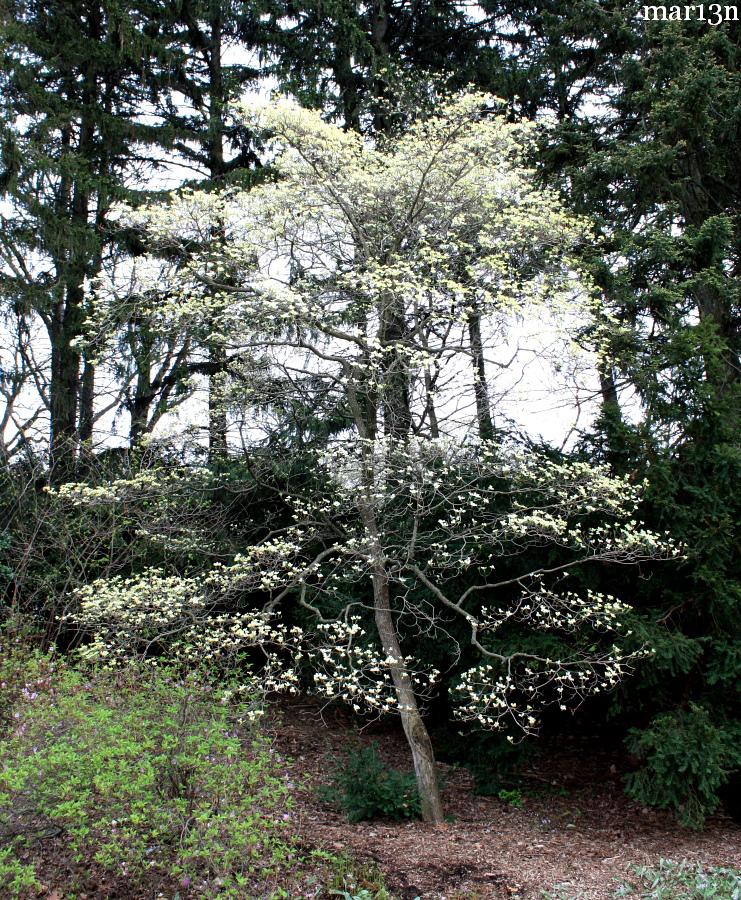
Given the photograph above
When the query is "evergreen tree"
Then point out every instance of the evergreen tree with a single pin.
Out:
(74, 85)
(664, 182)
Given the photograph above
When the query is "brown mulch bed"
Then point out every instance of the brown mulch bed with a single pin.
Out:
(578, 831)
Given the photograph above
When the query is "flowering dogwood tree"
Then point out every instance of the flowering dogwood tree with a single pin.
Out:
(393, 530)
(383, 277)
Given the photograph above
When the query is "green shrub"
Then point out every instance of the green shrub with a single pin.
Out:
(514, 797)
(366, 788)
(685, 762)
(677, 880)
(16, 877)
(148, 777)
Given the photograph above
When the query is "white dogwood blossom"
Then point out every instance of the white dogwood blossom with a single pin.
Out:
(379, 282)
(444, 510)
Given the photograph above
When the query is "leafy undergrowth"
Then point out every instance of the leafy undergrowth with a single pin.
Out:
(670, 880)
(679, 880)
(143, 783)
(365, 788)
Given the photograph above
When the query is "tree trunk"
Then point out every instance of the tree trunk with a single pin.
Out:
(430, 406)
(64, 386)
(139, 411)
(72, 265)
(612, 419)
(217, 418)
(480, 388)
(379, 40)
(414, 727)
(397, 414)
(87, 404)
(347, 83)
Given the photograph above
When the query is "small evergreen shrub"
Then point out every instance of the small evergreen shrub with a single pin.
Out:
(514, 797)
(685, 762)
(366, 788)
(679, 880)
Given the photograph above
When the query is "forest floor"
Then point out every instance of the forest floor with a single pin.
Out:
(575, 835)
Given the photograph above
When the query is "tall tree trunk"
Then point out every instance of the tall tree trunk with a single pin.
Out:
(140, 404)
(430, 411)
(217, 417)
(415, 730)
(72, 264)
(87, 404)
(379, 40)
(347, 84)
(612, 418)
(480, 387)
(64, 385)
(64, 388)
(397, 413)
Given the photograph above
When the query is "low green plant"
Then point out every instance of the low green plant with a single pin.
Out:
(679, 880)
(321, 873)
(559, 892)
(686, 759)
(17, 877)
(150, 776)
(366, 788)
(363, 894)
(514, 797)
(353, 880)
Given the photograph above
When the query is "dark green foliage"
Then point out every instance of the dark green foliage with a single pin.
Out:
(686, 759)
(371, 66)
(366, 788)
(492, 760)
(691, 615)
(661, 183)
(6, 573)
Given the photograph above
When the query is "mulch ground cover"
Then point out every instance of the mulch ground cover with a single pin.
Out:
(575, 835)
